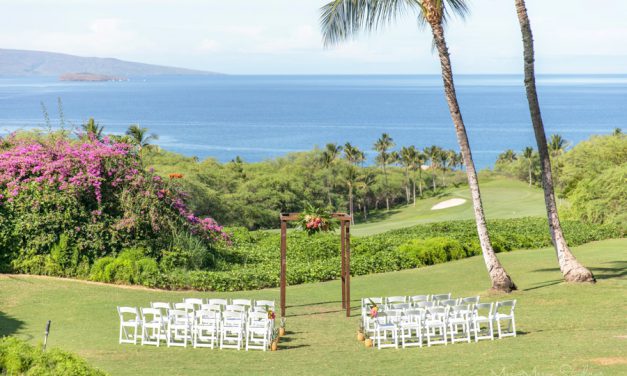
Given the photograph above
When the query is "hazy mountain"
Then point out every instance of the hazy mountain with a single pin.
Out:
(22, 63)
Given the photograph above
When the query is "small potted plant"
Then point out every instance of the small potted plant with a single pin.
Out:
(282, 327)
(360, 332)
(368, 341)
(274, 340)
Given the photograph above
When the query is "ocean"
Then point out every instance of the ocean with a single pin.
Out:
(261, 117)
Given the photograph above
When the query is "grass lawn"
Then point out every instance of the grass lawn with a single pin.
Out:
(563, 329)
(502, 198)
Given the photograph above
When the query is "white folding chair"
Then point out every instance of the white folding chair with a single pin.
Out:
(435, 325)
(384, 326)
(164, 307)
(232, 330)
(504, 311)
(222, 302)
(395, 300)
(366, 305)
(400, 306)
(257, 331)
(195, 302)
(179, 327)
(235, 308)
(425, 305)
(265, 303)
(410, 328)
(206, 328)
(153, 326)
(483, 314)
(247, 303)
(438, 297)
(418, 298)
(129, 321)
(469, 300)
(459, 323)
(447, 302)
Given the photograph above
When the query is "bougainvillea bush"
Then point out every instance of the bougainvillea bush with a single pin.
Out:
(65, 203)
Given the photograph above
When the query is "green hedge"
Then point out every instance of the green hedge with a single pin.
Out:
(253, 260)
(19, 358)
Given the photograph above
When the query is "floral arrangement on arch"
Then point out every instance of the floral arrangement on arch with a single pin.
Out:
(314, 220)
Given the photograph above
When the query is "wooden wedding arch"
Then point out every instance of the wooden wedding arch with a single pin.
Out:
(345, 224)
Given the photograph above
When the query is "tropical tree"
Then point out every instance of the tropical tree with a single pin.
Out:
(421, 159)
(92, 129)
(571, 269)
(433, 155)
(328, 158)
(384, 159)
(409, 159)
(140, 137)
(528, 155)
(507, 156)
(444, 160)
(557, 146)
(342, 19)
(353, 156)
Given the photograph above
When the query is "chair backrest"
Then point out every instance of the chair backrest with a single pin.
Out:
(196, 302)
(128, 313)
(483, 309)
(367, 302)
(395, 299)
(418, 298)
(504, 306)
(242, 302)
(425, 304)
(161, 305)
(151, 314)
(188, 307)
(413, 316)
(265, 303)
(232, 318)
(235, 308)
(460, 311)
(400, 306)
(257, 318)
(436, 297)
(211, 307)
(222, 302)
(469, 300)
(448, 302)
(437, 313)
(178, 316)
(382, 318)
(207, 317)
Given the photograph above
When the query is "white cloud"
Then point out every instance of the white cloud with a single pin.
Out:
(208, 45)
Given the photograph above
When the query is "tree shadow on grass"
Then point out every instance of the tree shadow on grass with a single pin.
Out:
(616, 269)
(376, 216)
(9, 325)
(544, 284)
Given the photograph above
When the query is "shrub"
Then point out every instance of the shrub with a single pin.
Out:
(17, 358)
(433, 250)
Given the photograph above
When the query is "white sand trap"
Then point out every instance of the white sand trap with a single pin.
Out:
(448, 203)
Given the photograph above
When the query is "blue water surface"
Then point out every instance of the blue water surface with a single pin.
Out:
(260, 117)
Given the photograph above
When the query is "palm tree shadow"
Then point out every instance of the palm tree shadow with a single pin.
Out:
(619, 270)
(545, 284)
(9, 325)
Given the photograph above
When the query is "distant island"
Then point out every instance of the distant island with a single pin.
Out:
(23, 63)
(90, 77)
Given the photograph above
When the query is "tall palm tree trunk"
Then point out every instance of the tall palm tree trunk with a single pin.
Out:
(500, 279)
(530, 180)
(385, 188)
(414, 186)
(351, 204)
(420, 181)
(571, 269)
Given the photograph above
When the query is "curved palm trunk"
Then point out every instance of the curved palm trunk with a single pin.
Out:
(500, 279)
(572, 270)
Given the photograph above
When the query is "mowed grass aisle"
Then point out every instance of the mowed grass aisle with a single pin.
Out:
(563, 329)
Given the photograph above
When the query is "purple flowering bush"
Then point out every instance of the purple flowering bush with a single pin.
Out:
(65, 203)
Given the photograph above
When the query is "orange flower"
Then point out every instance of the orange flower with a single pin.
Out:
(176, 176)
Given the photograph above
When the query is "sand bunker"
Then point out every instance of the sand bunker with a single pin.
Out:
(448, 203)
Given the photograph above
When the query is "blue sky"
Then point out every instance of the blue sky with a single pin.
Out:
(283, 37)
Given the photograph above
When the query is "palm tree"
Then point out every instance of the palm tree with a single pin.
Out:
(93, 129)
(383, 144)
(572, 270)
(342, 19)
(433, 153)
(528, 155)
(507, 156)
(444, 159)
(557, 146)
(354, 156)
(330, 154)
(421, 159)
(140, 137)
(408, 159)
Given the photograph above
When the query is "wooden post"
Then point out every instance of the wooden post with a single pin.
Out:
(283, 264)
(348, 267)
(343, 259)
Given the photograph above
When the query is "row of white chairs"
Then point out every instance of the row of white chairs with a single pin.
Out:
(437, 324)
(416, 301)
(202, 325)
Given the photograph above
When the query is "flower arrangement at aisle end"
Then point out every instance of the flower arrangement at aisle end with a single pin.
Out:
(374, 309)
(313, 220)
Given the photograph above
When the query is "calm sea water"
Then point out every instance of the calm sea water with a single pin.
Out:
(259, 117)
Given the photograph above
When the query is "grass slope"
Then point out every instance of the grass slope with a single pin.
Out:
(502, 198)
(563, 329)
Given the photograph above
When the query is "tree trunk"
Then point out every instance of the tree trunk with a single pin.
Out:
(385, 188)
(407, 188)
(530, 180)
(501, 281)
(350, 203)
(414, 186)
(420, 181)
(434, 178)
(571, 269)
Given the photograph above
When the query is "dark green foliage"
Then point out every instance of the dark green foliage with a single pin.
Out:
(132, 266)
(19, 358)
(253, 260)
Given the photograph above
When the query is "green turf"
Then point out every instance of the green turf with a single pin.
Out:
(561, 327)
(502, 198)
